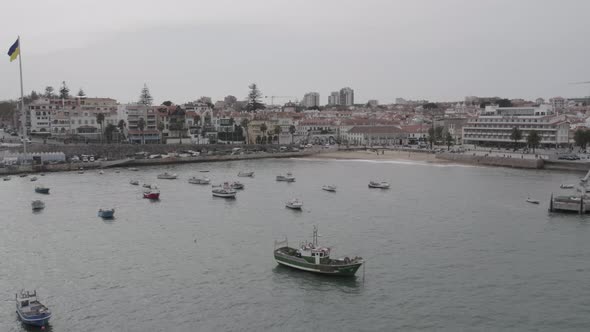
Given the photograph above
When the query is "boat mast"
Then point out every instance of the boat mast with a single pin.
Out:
(315, 236)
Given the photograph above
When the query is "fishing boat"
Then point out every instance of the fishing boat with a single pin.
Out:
(330, 188)
(152, 193)
(147, 185)
(41, 190)
(30, 310)
(6, 178)
(380, 185)
(37, 205)
(314, 258)
(237, 185)
(106, 214)
(246, 174)
(197, 180)
(33, 179)
(566, 186)
(225, 191)
(286, 178)
(204, 171)
(134, 182)
(167, 176)
(532, 201)
(294, 204)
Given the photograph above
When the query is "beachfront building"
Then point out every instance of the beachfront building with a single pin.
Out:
(375, 135)
(149, 134)
(494, 126)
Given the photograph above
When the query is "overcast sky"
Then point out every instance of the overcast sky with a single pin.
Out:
(440, 50)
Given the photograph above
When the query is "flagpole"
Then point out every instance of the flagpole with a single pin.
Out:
(22, 97)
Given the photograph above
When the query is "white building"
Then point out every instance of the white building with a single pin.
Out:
(334, 98)
(558, 103)
(311, 99)
(494, 126)
(346, 96)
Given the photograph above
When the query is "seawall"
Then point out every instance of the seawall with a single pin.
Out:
(492, 161)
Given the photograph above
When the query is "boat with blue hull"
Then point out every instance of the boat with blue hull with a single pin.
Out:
(42, 190)
(106, 214)
(30, 310)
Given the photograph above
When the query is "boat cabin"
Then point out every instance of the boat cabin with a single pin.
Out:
(313, 254)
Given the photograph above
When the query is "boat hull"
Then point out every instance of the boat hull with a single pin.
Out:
(42, 190)
(345, 270)
(151, 196)
(222, 195)
(106, 214)
(37, 320)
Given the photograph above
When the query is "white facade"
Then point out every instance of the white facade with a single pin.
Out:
(346, 96)
(334, 98)
(311, 99)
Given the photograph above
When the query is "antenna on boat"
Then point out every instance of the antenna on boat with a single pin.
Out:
(315, 236)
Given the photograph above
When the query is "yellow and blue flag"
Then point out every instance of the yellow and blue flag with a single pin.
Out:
(14, 50)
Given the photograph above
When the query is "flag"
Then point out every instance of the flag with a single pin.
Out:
(14, 51)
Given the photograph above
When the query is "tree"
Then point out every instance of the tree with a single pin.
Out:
(177, 125)
(449, 140)
(145, 98)
(81, 93)
(230, 100)
(167, 103)
(49, 92)
(205, 100)
(141, 126)
(278, 130)
(581, 137)
(109, 130)
(121, 126)
(431, 138)
(34, 95)
(254, 96)
(197, 119)
(100, 121)
(64, 91)
(207, 118)
(533, 139)
(263, 130)
(504, 103)
(292, 131)
(232, 121)
(430, 106)
(244, 124)
(438, 133)
(161, 126)
(516, 136)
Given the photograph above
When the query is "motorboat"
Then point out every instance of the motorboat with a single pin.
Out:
(37, 205)
(197, 180)
(33, 179)
(225, 191)
(246, 174)
(380, 185)
(532, 201)
(101, 172)
(6, 178)
(107, 213)
(330, 188)
(566, 186)
(134, 182)
(41, 190)
(294, 204)
(237, 185)
(146, 185)
(134, 169)
(286, 178)
(30, 310)
(152, 193)
(24, 175)
(167, 176)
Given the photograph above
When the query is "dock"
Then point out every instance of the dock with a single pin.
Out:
(572, 203)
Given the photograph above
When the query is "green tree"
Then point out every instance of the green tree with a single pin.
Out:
(449, 140)
(431, 137)
(438, 133)
(197, 119)
(145, 98)
(580, 138)
(81, 93)
(278, 130)
(263, 130)
(141, 126)
(109, 130)
(100, 121)
(64, 91)
(504, 103)
(167, 103)
(254, 97)
(292, 130)
(121, 126)
(516, 136)
(430, 106)
(244, 123)
(533, 139)
(49, 92)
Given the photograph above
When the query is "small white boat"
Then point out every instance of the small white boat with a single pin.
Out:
(6, 178)
(167, 176)
(101, 172)
(566, 186)
(134, 182)
(225, 191)
(80, 171)
(237, 185)
(197, 180)
(246, 174)
(532, 201)
(147, 185)
(37, 205)
(380, 185)
(204, 171)
(330, 188)
(106, 214)
(286, 178)
(117, 171)
(294, 204)
(134, 169)
(33, 179)
(24, 175)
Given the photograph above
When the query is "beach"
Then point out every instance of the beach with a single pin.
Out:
(382, 155)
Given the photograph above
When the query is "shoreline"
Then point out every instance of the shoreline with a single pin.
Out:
(386, 155)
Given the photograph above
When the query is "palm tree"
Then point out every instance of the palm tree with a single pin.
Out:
(278, 131)
(100, 121)
(121, 126)
(141, 126)
(533, 139)
(292, 131)
(516, 136)
(231, 123)
(109, 130)
(244, 124)
(263, 129)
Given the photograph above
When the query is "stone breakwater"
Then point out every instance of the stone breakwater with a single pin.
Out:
(492, 161)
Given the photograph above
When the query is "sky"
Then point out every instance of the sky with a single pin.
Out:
(439, 50)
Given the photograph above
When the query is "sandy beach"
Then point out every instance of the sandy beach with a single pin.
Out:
(387, 155)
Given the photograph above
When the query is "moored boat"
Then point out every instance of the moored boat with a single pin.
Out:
(314, 258)
(101, 172)
(30, 310)
(380, 185)
(152, 193)
(33, 179)
(566, 186)
(167, 176)
(134, 182)
(294, 204)
(246, 174)
(107, 213)
(237, 185)
(134, 169)
(198, 180)
(37, 205)
(225, 191)
(24, 175)
(147, 185)
(6, 178)
(328, 187)
(286, 178)
(41, 190)
(532, 201)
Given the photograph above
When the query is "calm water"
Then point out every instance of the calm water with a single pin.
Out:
(448, 248)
